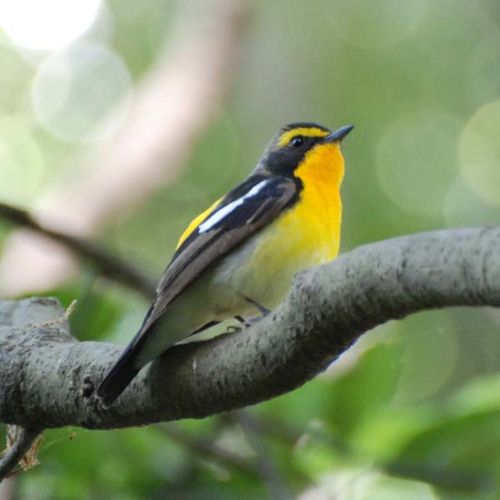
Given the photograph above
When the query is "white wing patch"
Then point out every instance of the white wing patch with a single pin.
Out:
(218, 215)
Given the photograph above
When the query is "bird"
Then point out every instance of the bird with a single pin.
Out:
(237, 259)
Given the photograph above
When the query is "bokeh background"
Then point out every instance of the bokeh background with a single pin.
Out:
(120, 120)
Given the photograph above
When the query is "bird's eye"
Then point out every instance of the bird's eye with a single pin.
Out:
(296, 142)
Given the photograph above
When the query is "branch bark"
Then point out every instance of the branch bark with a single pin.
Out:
(22, 441)
(46, 376)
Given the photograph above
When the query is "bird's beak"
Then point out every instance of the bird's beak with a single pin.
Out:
(339, 134)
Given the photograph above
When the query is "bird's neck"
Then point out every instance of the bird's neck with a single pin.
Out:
(322, 168)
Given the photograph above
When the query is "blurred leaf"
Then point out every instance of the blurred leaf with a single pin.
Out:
(445, 444)
(366, 389)
(96, 312)
(461, 436)
(358, 483)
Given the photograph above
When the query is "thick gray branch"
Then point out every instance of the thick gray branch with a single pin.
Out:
(42, 368)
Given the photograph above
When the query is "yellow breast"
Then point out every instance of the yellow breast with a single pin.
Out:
(310, 230)
(305, 235)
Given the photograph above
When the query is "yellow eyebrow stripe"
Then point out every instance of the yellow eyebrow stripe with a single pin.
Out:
(305, 131)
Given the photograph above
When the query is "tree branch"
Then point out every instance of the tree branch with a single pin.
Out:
(206, 448)
(269, 471)
(107, 264)
(22, 441)
(43, 369)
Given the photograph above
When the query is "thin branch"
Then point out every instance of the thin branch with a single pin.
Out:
(267, 467)
(107, 264)
(21, 444)
(8, 488)
(327, 309)
(273, 429)
(206, 448)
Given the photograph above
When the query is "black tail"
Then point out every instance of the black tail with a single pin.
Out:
(117, 379)
(125, 369)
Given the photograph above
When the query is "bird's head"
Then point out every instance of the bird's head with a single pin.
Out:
(302, 148)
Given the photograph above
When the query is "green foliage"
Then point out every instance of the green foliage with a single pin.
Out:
(413, 410)
(96, 312)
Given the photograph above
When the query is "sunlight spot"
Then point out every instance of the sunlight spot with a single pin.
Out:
(416, 160)
(81, 94)
(47, 24)
(463, 207)
(479, 153)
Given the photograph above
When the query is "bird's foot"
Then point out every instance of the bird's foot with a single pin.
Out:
(264, 311)
(233, 329)
(248, 322)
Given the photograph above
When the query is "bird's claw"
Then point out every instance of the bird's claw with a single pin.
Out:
(233, 329)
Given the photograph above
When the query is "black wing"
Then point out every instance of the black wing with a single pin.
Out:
(244, 210)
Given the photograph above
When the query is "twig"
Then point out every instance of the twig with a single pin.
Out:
(274, 429)
(269, 472)
(210, 450)
(109, 265)
(8, 488)
(17, 447)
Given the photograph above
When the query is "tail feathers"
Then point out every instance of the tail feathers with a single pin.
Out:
(127, 367)
(118, 378)
(131, 361)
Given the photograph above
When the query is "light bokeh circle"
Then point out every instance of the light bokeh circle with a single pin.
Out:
(482, 69)
(416, 160)
(21, 163)
(47, 24)
(479, 152)
(463, 207)
(81, 94)
(376, 24)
